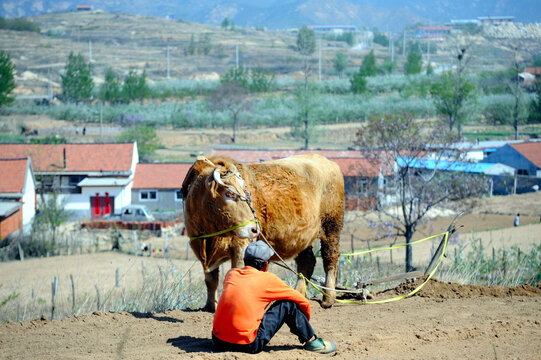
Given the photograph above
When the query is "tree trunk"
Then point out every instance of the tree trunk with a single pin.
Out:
(409, 250)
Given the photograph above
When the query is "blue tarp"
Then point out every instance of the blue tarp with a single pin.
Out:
(429, 164)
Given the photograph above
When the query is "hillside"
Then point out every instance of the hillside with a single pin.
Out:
(387, 15)
(136, 42)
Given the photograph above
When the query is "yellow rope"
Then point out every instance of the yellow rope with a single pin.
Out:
(223, 231)
(400, 297)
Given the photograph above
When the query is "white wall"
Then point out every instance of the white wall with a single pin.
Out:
(29, 201)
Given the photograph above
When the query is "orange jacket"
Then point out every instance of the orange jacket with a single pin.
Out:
(246, 294)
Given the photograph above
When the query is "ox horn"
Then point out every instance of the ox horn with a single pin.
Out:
(217, 177)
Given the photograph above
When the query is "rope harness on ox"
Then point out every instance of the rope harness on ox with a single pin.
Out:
(248, 199)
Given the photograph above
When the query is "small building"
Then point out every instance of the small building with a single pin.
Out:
(17, 196)
(535, 71)
(524, 157)
(495, 20)
(83, 7)
(364, 183)
(433, 32)
(157, 186)
(90, 179)
(337, 29)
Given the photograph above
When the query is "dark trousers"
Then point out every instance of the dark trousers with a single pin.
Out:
(282, 311)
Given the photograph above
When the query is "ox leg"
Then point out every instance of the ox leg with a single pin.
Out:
(211, 280)
(330, 252)
(306, 261)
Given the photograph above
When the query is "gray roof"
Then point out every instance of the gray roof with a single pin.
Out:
(9, 207)
(104, 181)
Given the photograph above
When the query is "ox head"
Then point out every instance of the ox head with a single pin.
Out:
(216, 199)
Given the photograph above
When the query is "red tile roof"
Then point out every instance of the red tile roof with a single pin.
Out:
(257, 155)
(533, 70)
(357, 167)
(12, 175)
(531, 151)
(79, 157)
(160, 176)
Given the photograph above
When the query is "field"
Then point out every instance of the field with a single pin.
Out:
(444, 320)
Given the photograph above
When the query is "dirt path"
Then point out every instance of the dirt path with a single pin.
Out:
(442, 322)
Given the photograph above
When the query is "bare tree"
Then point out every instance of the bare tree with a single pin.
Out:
(230, 97)
(401, 146)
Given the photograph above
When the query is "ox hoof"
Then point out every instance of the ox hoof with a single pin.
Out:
(209, 308)
(327, 302)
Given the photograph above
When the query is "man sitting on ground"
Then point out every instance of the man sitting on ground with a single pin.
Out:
(245, 322)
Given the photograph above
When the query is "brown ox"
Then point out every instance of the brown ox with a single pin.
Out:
(296, 200)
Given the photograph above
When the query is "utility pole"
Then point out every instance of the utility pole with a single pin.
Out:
(404, 44)
(237, 55)
(49, 85)
(90, 56)
(319, 74)
(167, 61)
(392, 50)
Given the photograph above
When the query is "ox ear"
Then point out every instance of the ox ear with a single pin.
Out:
(200, 164)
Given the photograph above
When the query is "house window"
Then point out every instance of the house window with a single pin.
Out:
(75, 179)
(148, 195)
(363, 186)
(178, 195)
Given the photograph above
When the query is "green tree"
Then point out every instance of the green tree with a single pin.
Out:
(204, 44)
(340, 63)
(414, 63)
(77, 83)
(225, 23)
(380, 38)
(368, 67)
(306, 107)
(451, 93)
(190, 50)
(517, 92)
(145, 136)
(234, 75)
(535, 105)
(261, 80)
(110, 90)
(358, 83)
(51, 215)
(388, 66)
(429, 69)
(7, 79)
(135, 87)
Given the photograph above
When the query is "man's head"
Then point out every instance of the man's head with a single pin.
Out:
(257, 254)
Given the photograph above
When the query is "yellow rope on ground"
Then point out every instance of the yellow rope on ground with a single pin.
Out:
(400, 297)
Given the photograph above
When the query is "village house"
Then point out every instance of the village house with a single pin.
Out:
(89, 179)
(157, 186)
(17, 196)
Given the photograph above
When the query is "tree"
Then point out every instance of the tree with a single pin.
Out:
(535, 105)
(340, 63)
(77, 83)
(358, 83)
(397, 145)
(110, 90)
(388, 66)
(452, 92)
(190, 50)
(230, 97)
(50, 215)
(7, 79)
(145, 136)
(368, 67)
(135, 87)
(225, 23)
(517, 92)
(414, 63)
(306, 45)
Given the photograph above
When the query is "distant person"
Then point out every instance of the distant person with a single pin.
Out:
(517, 220)
(84, 131)
(254, 305)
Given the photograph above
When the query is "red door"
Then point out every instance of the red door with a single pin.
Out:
(101, 205)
